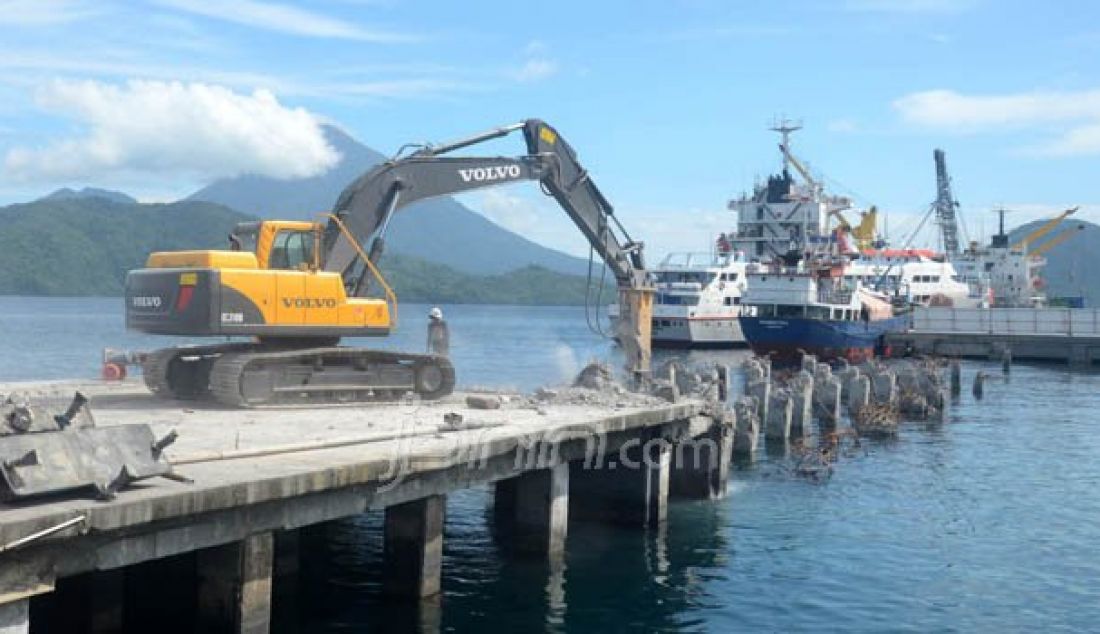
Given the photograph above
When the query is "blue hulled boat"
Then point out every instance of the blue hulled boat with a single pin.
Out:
(814, 308)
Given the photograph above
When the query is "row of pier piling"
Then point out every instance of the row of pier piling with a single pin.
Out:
(871, 397)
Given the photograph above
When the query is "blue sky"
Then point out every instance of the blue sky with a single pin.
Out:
(667, 102)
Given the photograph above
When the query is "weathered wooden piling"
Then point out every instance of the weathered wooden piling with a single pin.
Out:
(956, 378)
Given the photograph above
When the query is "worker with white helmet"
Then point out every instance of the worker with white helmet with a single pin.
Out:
(439, 336)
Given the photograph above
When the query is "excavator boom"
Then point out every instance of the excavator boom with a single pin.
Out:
(366, 206)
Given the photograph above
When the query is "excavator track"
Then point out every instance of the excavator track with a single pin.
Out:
(252, 375)
(182, 372)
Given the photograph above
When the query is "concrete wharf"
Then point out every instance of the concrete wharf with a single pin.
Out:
(257, 477)
(1065, 335)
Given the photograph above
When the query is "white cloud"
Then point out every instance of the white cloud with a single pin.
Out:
(1074, 117)
(284, 19)
(510, 211)
(949, 109)
(157, 127)
(42, 12)
(535, 70)
(538, 64)
(1075, 142)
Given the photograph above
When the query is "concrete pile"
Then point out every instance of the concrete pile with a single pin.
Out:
(922, 392)
(674, 379)
(746, 433)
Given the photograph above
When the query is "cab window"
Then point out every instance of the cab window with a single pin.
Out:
(292, 250)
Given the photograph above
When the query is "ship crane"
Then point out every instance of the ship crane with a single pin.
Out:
(864, 232)
(946, 205)
(1056, 240)
(1045, 228)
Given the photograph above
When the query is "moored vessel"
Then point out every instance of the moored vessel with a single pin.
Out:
(811, 307)
(698, 300)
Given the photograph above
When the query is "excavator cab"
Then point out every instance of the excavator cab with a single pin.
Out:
(281, 244)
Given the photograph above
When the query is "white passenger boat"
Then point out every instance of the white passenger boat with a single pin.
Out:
(698, 300)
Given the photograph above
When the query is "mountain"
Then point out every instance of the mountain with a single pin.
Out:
(66, 193)
(1071, 265)
(440, 230)
(84, 245)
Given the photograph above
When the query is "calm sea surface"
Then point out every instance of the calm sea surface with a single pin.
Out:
(989, 521)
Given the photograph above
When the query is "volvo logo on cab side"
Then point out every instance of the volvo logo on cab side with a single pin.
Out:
(309, 302)
(145, 301)
(495, 173)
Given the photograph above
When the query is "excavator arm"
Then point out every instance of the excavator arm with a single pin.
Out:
(366, 207)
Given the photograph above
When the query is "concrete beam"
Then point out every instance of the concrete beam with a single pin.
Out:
(235, 586)
(534, 509)
(414, 548)
(15, 617)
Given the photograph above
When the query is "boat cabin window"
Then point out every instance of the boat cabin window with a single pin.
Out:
(729, 277)
(291, 250)
(784, 310)
(731, 301)
(678, 300)
(817, 312)
(685, 277)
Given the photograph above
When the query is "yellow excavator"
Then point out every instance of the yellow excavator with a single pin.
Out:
(297, 288)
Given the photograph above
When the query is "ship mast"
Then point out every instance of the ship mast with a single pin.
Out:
(784, 127)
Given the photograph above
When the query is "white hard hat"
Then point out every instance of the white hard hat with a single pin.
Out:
(435, 313)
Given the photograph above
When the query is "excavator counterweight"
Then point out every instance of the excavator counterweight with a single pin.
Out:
(297, 288)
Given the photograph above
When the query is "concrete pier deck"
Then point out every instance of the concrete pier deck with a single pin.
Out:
(255, 472)
(1068, 335)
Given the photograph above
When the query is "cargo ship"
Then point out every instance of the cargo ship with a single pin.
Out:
(812, 307)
